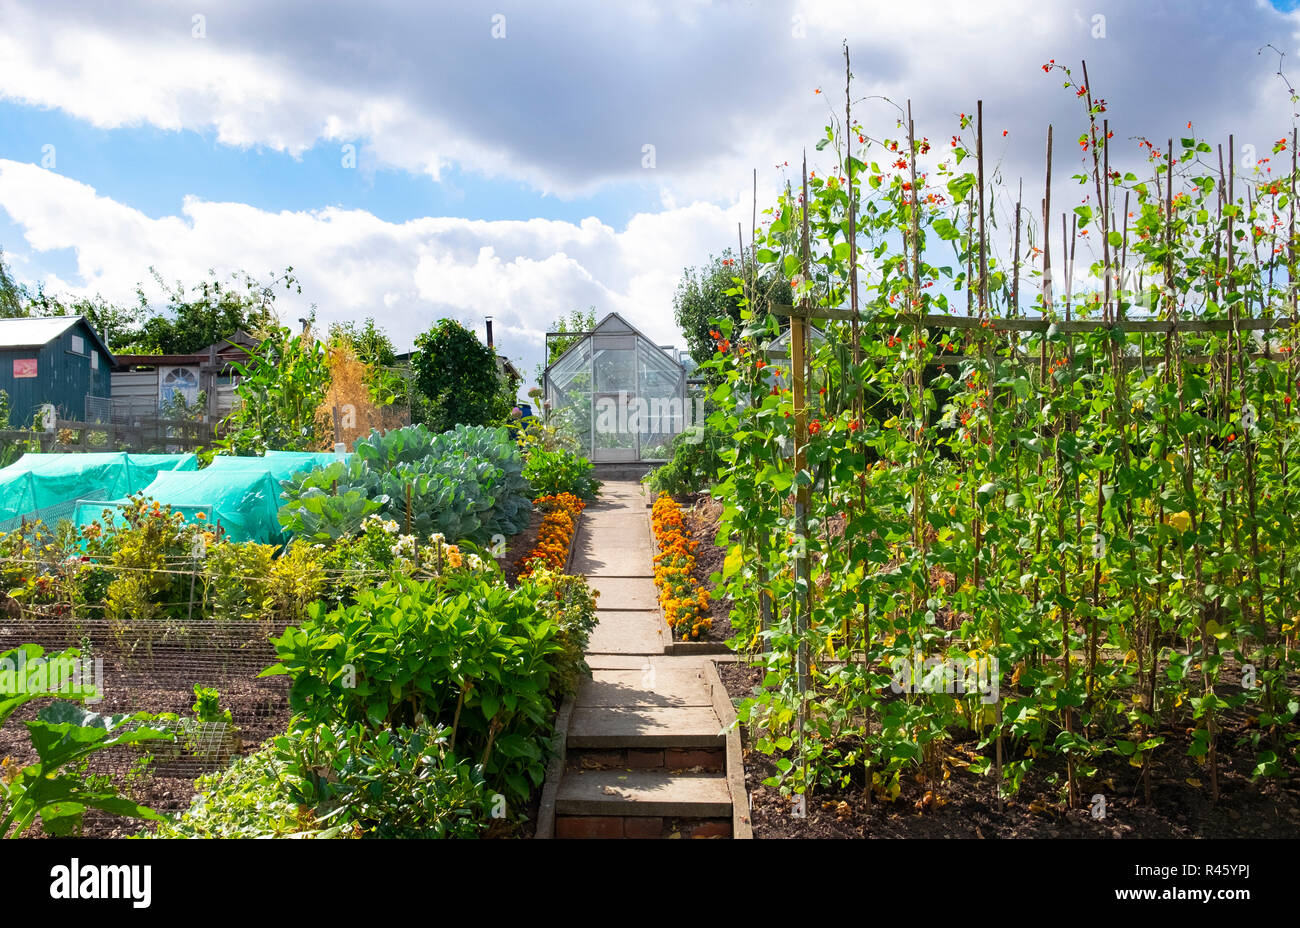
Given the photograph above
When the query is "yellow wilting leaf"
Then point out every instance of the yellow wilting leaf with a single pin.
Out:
(1132, 655)
(1216, 630)
(1192, 781)
(1181, 521)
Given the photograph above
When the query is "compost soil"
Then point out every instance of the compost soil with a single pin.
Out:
(963, 804)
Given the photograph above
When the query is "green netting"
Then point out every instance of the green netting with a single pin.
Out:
(279, 464)
(241, 494)
(45, 486)
(245, 501)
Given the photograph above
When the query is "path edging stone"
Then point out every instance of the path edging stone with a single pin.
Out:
(554, 771)
(742, 827)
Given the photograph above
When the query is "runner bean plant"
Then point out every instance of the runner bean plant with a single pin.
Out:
(1087, 477)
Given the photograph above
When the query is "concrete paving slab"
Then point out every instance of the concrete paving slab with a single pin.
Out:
(645, 687)
(644, 727)
(613, 560)
(627, 591)
(613, 792)
(626, 632)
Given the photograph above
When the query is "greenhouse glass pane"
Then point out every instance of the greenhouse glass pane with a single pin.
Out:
(568, 391)
(615, 364)
(663, 413)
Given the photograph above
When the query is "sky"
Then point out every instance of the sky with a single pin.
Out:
(519, 159)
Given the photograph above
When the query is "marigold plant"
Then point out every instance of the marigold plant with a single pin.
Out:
(559, 523)
(685, 604)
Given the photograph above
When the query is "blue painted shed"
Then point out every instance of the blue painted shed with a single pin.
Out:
(59, 360)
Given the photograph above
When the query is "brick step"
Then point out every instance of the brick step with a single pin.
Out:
(645, 727)
(643, 793)
(640, 826)
(694, 760)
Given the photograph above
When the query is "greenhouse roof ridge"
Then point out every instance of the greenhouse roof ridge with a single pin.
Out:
(583, 336)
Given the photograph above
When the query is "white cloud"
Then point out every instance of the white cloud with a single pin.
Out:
(566, 101)
(353, 264)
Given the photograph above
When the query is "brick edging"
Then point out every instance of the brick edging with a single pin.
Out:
(554, 771)
(741, 826)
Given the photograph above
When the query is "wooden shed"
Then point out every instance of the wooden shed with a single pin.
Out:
(59, 360)
(144, 383)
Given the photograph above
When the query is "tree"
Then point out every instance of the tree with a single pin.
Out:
(370, 342)
(190, 319)
(458, 376)
(208, 312)
(578, 321)
(12, 296)
(703, 296)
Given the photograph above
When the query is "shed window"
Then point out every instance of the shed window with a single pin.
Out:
(78, 345)
(94, 360)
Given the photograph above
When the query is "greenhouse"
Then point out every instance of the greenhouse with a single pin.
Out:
(624, 395)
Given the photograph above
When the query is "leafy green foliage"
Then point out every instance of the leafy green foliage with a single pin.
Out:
(64, 735)
(341, 781)
(1102, 511)
(551, 473)
(466, 483)
(708, 293)
(180, 320)
(207, 705)
(458, 376)
(280, 390)
(252, 798)
(464, 652)
(395, 783)
(578, 320)
(693, 464)
(372, 347)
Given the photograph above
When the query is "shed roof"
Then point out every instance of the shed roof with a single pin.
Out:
(39, 331)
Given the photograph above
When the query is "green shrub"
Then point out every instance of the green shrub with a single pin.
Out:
(465, 651)
(252, 798)
(402, 783)
(341, 781)
(693, 464)
(560, 471)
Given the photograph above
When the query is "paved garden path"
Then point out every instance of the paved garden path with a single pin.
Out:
(645, 751)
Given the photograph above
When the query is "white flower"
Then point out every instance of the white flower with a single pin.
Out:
(390, 527)
(474, 561)
(438, 538)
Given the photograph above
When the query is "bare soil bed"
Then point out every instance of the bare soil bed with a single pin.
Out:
(963, 805)
(259, 708)
(519, 546)
(701, 513)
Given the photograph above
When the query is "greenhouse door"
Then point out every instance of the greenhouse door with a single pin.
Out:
(614, 428)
